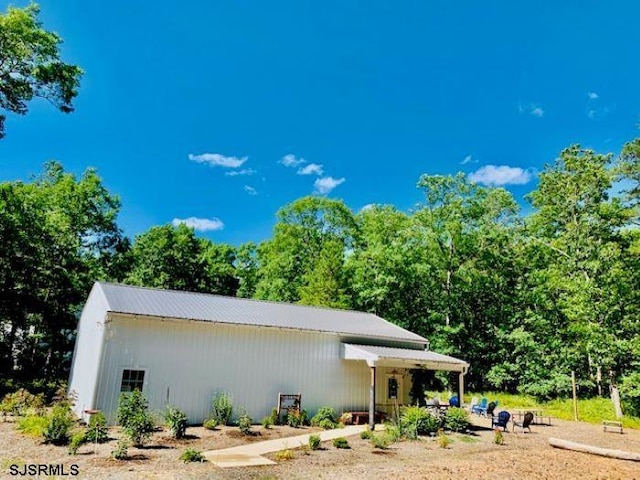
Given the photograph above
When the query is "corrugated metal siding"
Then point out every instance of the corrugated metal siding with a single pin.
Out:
(194, 360)
(215, 308)
(88, 349)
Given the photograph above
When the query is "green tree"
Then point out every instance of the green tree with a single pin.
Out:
(303, 228)
(54, 232)
(172, 257)
(30, 65)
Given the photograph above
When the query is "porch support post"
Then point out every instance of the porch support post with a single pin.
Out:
(461, 387)
(372, 398)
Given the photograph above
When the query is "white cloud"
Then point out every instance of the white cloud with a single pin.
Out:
(537, 112)
(326, 184)
(366, 207)
(591, 113)
(250, 190)
(311, 169)
(291, 160)
(218, 160)
(593, 95)
(494, 175)
(468, 159)
(200, 224)
(244, 171)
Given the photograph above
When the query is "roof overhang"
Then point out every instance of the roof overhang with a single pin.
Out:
(402, 358)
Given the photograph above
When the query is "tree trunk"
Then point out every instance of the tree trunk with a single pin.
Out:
(615, 398)
(605, 452)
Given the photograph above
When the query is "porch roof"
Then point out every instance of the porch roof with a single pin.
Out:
(403, 358)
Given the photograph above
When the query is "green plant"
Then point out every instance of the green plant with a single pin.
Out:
(327, 424)
(346, 418)
(304, 417)
(443, 440)
(274, 417)
(97, 431)
(314, 442)
(121, 450)
(177, 422)
(222, 408)
(394, 432)
(267, 422)
(244, 423)
(416, 421)
(33, 425)
(134, 418)
(381, 441)
(20, 402)
(294, 418)
(284, 455)
(340, 442)
(77, 439)
(60, 421)
(456, 419)
(324, 413)
(210, 424)
(498, 437)
(191, 455)
(366, 434)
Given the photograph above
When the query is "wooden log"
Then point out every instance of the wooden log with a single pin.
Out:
(605, 452)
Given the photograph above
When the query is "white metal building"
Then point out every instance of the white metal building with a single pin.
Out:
(180, 348)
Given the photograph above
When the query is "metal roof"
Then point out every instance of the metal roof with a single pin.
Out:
(132, 300)
(403, 357)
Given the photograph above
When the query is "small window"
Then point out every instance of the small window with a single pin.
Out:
(132, 379)
(392, 387)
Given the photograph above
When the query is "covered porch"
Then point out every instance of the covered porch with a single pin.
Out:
(390, 381)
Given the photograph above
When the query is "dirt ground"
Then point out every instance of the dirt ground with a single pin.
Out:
(472, 456)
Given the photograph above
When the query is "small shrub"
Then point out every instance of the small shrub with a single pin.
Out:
(498, 438)
(304, 417)
(20, 402)
(222, 408)
(327, 424)
(210, 424)
(284, 455)
(121, 450)
(456, 419)
(77, 440)
(136, 422)
(324, 413)
(97, 431)
(57, 430)
(267, 422)
(274, 417)
(33, 425)
(294, 418)
(192, 455)
(443, 440)
(346, 418)
(340, 442)
(314, 442)
(177, 422)
(366, 434)
(305, 449)
(416, 421)
(394, 433)
(381, 441)
(244, 423)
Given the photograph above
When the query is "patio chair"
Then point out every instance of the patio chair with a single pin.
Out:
(501, 420)
(491, 408)
(480, 408)
(525, 423)
(454, 402)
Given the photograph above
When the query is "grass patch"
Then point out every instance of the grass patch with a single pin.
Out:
(33, 425)
(468, 439)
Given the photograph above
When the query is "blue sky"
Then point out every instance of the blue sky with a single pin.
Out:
(224, 111)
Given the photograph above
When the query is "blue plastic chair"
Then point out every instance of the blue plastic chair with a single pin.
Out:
(480, 408)
(501, 420)
(454, 402)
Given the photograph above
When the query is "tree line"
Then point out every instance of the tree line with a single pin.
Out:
(524, 299)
